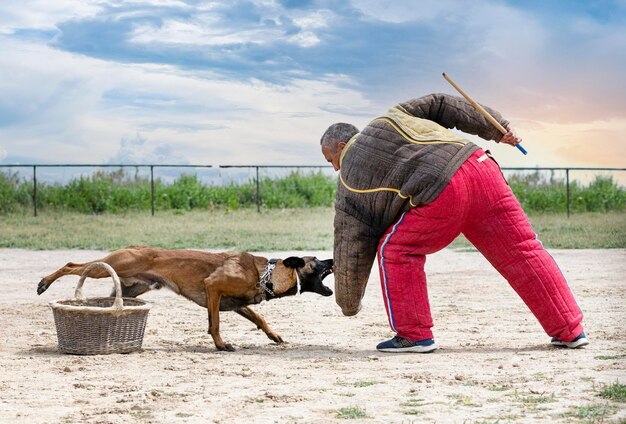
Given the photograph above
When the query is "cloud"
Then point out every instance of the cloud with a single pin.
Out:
(397, 12)
(3, 153)
(200, 34)
(43, 14)
(81, 107)
(214, 27)
(248, 81)
(138, 150)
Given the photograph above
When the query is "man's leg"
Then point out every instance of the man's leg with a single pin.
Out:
(401, 258)
(500, 230)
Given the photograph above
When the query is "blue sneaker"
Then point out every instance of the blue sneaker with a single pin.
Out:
(579, 341)
(400, 344)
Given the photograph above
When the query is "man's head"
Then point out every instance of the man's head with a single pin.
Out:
(334, 140)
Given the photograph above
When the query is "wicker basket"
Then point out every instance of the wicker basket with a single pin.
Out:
(102, 325)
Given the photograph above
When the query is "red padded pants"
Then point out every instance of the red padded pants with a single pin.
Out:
(479, 204)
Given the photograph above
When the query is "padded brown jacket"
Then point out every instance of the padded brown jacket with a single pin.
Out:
(401, 160)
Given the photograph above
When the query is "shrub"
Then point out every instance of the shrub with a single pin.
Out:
(117, 192)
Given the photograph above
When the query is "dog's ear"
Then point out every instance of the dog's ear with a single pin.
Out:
(293, 262)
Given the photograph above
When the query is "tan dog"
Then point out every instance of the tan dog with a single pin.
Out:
(218, 281)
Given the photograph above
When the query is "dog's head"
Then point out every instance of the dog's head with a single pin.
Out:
(311, 271)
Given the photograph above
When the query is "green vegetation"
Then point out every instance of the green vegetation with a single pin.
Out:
(595, 413)
(246, 229)
(539, 195)
(499, 388)
(533, 400)
(580, 231)
(598, 412)
(112, 210)
(360, 383)
(615, 392)
(610, 357)
(275, 230)
(119, 192)
(464, 400)
(351, 413)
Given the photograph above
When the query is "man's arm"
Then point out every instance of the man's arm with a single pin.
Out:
(455, 112)
(354, 253)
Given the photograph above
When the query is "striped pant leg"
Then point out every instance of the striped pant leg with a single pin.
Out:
(402, 254)
(498, 227)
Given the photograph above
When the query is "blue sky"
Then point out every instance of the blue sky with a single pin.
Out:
(257, 82)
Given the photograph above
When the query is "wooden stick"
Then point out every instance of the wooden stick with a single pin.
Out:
(482, 111)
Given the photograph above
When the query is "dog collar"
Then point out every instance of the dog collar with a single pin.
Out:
(265, 282)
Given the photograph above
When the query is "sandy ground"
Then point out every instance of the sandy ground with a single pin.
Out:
(494, 363)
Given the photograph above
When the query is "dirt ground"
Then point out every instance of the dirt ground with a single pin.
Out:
(494, 363)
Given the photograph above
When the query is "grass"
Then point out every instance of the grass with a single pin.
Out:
(365, 383)
(615, 392)
(580, 231)
(595, 413)
(351, 413)
(464, 400)
(534, 400)
(289, 229)
(246, 229)
(610, 357)
(499, 388)
(360, 383)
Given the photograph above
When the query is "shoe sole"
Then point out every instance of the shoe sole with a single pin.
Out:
(411, 349)
(572, 345)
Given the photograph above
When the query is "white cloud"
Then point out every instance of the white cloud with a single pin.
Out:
(304, 39)
(200, 34)
(408, 11)
(69, 112)
(313, 20)
(137, 149)
(42, 14)
(207, 29)
(3, 153)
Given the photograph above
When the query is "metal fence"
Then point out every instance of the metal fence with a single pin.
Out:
(257, 168)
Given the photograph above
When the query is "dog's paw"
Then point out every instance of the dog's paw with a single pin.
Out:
(275, 338)
(226, 348)
(42, 287)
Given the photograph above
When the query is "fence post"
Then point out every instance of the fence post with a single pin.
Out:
(35, 190)
(567, 191)
(152, 188)
(258, 199)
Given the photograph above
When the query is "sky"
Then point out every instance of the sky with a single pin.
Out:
(259, 81)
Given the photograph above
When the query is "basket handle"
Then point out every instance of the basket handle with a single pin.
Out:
(118, 304)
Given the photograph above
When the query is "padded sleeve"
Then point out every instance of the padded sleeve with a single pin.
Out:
(354, 253)
(455, 112)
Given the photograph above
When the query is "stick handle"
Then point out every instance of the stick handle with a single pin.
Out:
(482, 111)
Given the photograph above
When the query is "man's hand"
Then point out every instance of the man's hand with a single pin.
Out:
(510, 137)
(351, 311)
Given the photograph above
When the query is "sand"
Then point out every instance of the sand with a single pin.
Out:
(494, 363)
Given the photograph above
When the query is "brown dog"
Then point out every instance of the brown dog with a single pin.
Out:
(218, 281)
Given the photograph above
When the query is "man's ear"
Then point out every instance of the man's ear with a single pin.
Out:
(293, 262)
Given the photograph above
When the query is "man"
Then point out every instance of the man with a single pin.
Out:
(407, 188)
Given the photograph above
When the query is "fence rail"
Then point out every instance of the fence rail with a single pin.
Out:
(151, 167)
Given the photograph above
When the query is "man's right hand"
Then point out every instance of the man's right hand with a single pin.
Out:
(510, 137)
